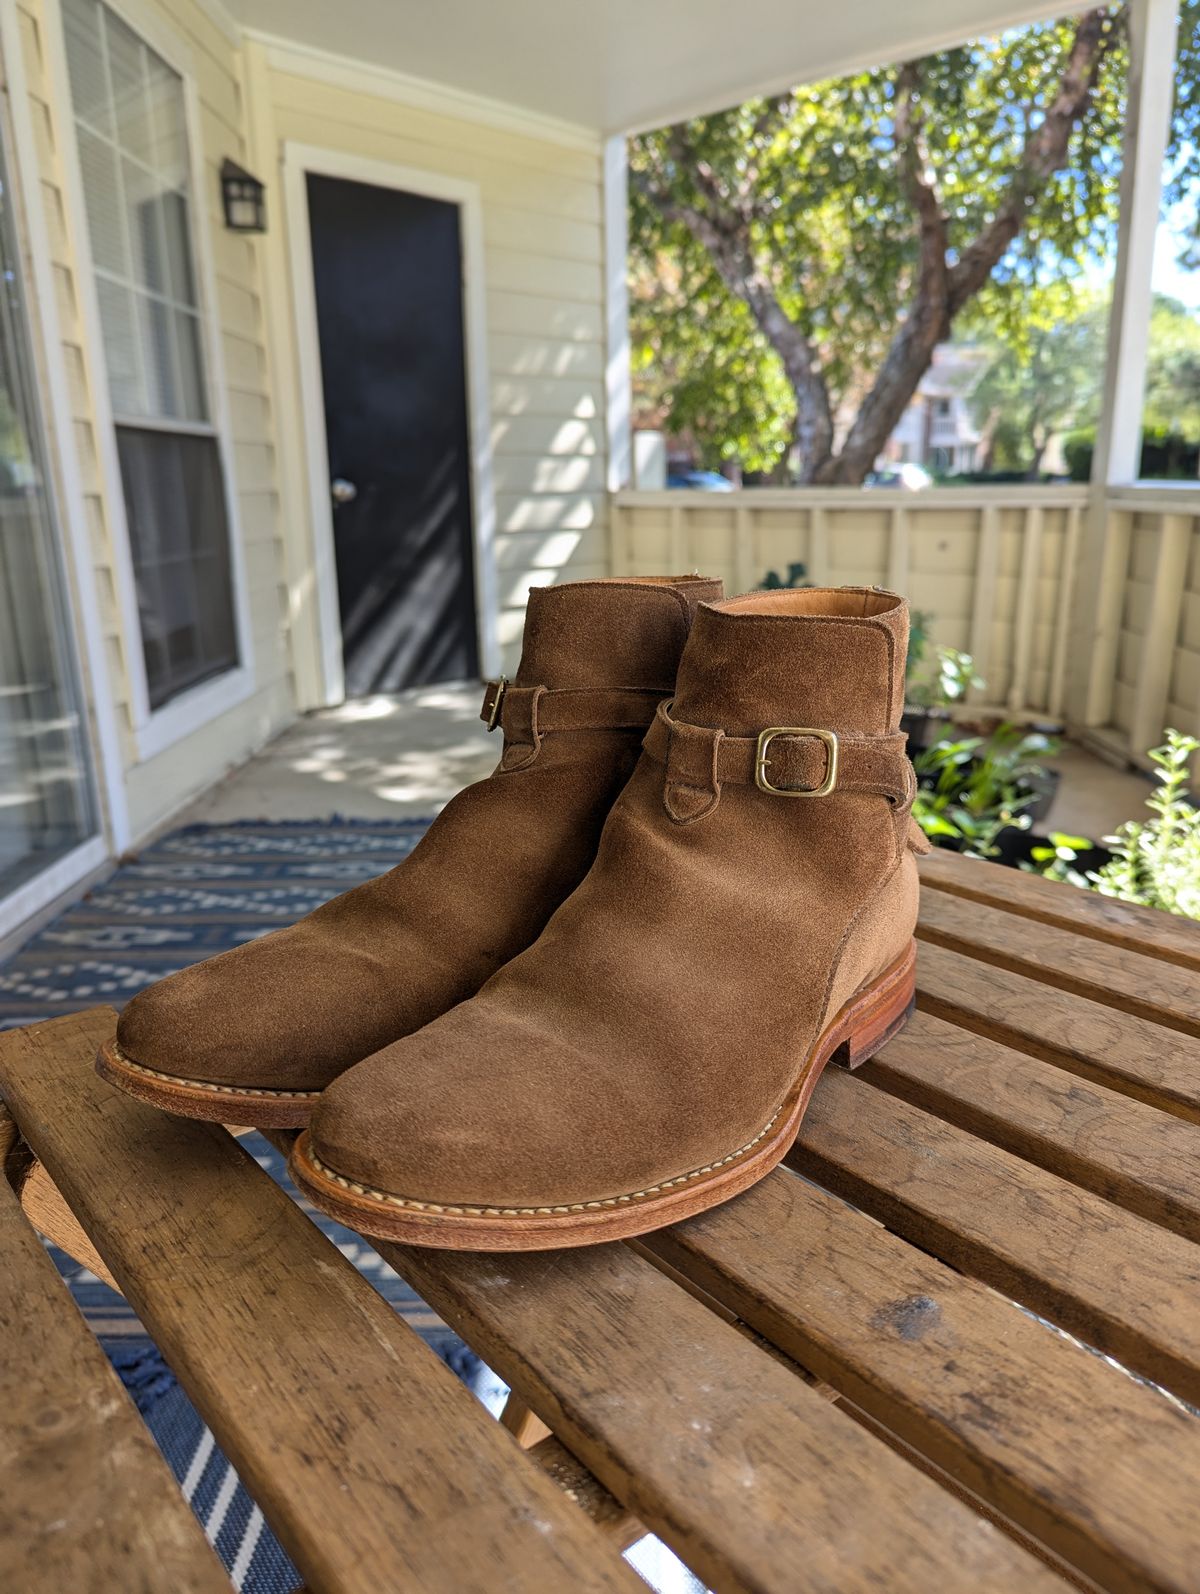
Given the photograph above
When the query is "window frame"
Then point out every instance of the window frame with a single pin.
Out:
(154, 730)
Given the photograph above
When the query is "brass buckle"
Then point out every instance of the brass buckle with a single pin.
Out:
(761, 761)
(494, 716)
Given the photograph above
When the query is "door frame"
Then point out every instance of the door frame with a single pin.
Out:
(298, 161)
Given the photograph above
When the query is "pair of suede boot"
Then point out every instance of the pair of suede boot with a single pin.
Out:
(597, 996)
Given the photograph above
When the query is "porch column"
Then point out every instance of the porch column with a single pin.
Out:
(1100, 582)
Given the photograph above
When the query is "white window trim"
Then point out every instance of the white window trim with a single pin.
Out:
(88, 861)
(298, 161)
(155, 730)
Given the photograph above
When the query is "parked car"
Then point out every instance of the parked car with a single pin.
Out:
(700, 481)
(911, 477)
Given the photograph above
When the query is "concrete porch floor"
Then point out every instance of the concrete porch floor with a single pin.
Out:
(408, 754)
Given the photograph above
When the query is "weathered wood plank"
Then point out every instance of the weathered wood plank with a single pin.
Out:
(86, 1500)
(1086, 913)
(1099, 1468)
(374, 1464)
(1127, 1287)
(745, 1470)
(1113, 975)
(1129, 1054)
(1128, 1151)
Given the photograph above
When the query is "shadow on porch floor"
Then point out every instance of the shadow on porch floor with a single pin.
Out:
(408, 754)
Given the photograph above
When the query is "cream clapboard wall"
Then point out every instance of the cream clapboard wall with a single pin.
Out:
(543, 252)
(158, 785)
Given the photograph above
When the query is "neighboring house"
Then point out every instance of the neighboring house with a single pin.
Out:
(936, 430)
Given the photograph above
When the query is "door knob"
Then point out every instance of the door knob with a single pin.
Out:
(343, 492)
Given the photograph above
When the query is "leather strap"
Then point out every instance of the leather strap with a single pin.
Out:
(527, 713)
(700, 760)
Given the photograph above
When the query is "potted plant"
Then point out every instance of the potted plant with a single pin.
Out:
(977, 794)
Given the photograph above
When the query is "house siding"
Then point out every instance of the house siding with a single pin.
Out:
(158, 785)
(543, 251)
(543, 294)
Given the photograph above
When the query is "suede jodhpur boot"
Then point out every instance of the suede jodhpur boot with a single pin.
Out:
(749, 916)
(254, 1035)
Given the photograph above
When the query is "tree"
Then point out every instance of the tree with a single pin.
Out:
(1173, 371)
(1043, 380)
(854, 223)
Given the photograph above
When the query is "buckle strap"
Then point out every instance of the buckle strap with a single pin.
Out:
(782, 761)
(527, 713)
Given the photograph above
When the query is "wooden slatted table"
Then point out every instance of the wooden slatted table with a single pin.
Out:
(953, 1344)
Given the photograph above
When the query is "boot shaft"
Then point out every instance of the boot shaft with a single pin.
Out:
(618, 633)
(830, 657)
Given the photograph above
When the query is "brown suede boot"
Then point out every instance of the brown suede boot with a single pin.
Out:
(254, 1035)
(750, 915)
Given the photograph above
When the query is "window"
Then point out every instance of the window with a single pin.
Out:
(131, 128)
(942, 409)
(46, 799)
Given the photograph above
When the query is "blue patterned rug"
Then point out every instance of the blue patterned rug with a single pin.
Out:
(196, 892)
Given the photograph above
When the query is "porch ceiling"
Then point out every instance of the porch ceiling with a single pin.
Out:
(621, 65)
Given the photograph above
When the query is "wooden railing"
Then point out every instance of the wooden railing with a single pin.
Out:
(1145, 660)
(990, 568)
(1073, 606)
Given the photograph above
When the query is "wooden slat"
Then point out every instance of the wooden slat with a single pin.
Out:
(1143, 1159)
(1116, 976)
(86, 1500)
(1125, 1286)
(1028, 592)
(1097, 1467)
(1062, 614)
(745, 1470)
(1159, 640)
(1128, 1054)
(1086, 913)
(374, 1464)
(983, 609)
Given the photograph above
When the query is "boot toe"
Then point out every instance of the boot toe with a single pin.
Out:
(164, 1027)
(477, 1110)
(243, 1019)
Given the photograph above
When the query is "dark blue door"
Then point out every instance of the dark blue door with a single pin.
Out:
(388, 274)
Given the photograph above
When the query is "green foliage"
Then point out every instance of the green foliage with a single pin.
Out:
(1157, 861)
(1173, 372)
(797, 573)
(1048, 378)
(836, 240)
(919, 621)
(971, 789)
(1057, 859)
(1165, 456)
(953, 676)
(701, 368)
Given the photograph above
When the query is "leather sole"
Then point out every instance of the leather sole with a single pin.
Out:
(864, 1025)
(194, 1098)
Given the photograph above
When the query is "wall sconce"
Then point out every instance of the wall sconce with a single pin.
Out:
(242, 199)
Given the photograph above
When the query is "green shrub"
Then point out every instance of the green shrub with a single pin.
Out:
(1157, 860)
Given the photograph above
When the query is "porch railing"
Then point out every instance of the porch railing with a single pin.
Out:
(1073, 606)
